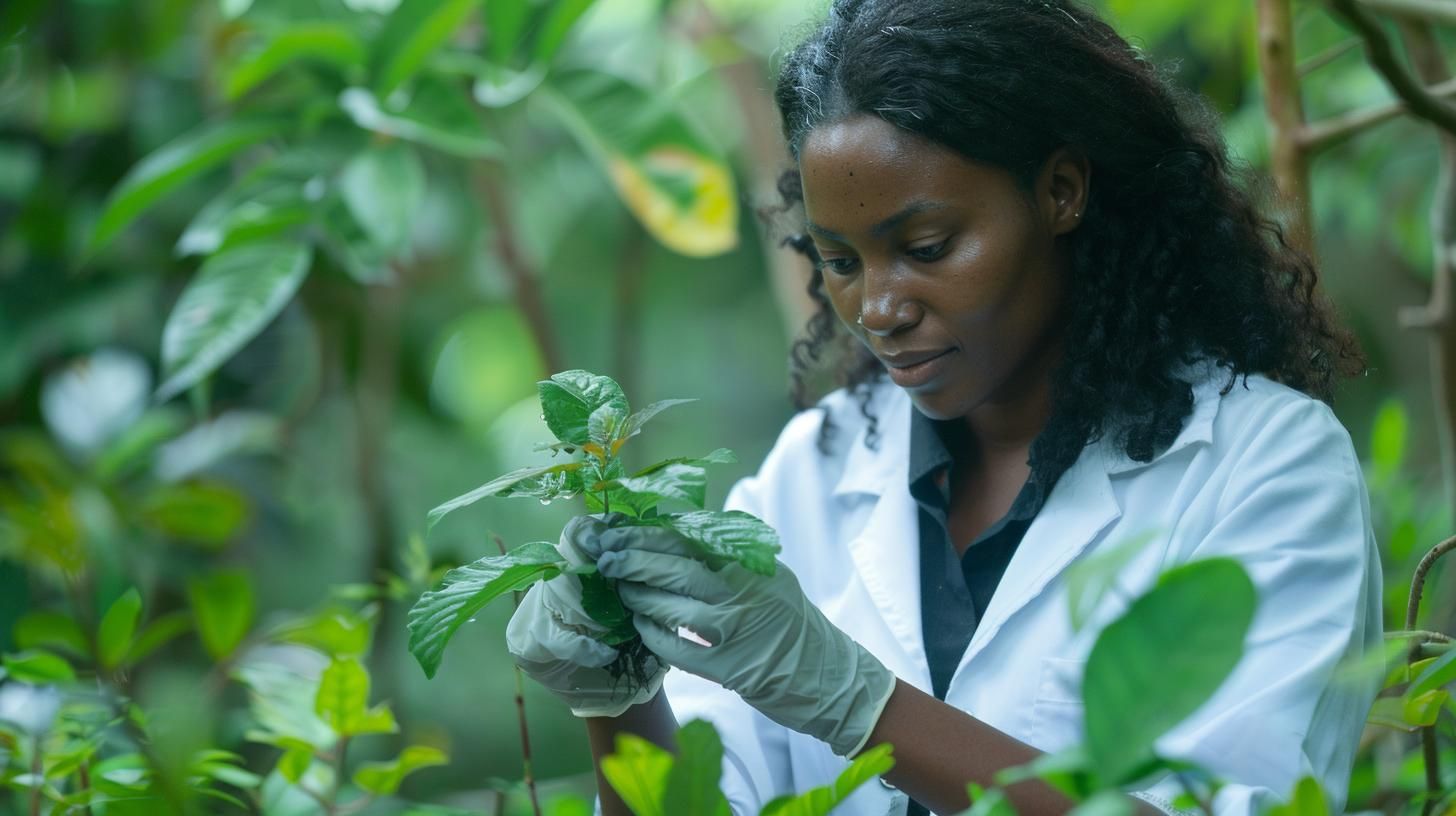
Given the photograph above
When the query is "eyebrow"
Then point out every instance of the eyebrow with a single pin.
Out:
(912, 209)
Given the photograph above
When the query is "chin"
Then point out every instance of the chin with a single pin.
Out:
(937, 404)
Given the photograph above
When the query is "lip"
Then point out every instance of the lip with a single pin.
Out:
(912, 369)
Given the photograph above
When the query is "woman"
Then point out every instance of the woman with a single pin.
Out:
(1066, 326)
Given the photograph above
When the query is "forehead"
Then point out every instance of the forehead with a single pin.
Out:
(860, 169)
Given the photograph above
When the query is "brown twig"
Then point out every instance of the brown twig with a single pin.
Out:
(523, 278)
(1418, 583)
(1323, 135)
(527, 774)
(1285, 110)
(1382, 56)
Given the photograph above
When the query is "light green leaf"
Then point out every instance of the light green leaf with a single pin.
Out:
(1195, 620)
(435, 115)
(1068, 771)
(692, 783)
(639, 419)
(1437, 674)
(1089, 580)
(688, 483)
(235, 294)
(53, 630)
(1387, 438)
(1105, 803)
(282, 695)
(505, 25)
(1308, 799)
(524, 482)
(161, 631)
(820, 801)
(411, 33)
(294, 762)
(677, 185)
(118, 627)
(563, 16)
(223, 606)
(991, 802)
(466, 590)
(384, 778)
(732, 535)
(343, 699)
(383, 187)
(328, 43)
(721, 456)
(337, 632)
(172, 165)
(1423, 709)
(638, 773)
(38, 667)
(568, 400)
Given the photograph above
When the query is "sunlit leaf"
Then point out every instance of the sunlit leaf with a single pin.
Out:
(1308, 800)
(692, 783)
(1192, 625)
(411, 33)
(223, 605)
(677, 186)
(327, 43)
(38, 667)
(118, 627)
(384, 778)
(343, 701)
(466, 590)
(638, 771)
(235, 294)
(170, 166)
(1435, 675)
(1387, 438)
(875, 762)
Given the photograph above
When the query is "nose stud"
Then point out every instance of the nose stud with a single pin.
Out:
(859, 318)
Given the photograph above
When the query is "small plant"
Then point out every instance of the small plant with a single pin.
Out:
(592, 422)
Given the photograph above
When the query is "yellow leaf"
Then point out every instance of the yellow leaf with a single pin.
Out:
(708, 226)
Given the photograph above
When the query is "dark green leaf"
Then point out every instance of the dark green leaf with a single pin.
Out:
(37, 666)
(732, 535)
(1190, 626)
(223, 606)
(384, 778)
(600, 602)
(504, 25)
(118, 627)
(524, 482)
(559, 21)
(158, 633)
(384, 187)
(328, 43)
(51, 629)
(434, 115)
(692, 783)
(569, 398)
(688, 483)
(235, 294)
(415, 29)
(435, 617)
(172, 165)
(820, 801)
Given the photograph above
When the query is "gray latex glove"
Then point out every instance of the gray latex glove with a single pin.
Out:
(769, 643)
(550, 636)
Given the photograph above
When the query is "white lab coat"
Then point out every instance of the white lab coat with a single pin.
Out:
(1264, 474)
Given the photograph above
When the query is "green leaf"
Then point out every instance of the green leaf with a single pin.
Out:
(1308, 799)
(603, 425)
(415, 30)
(161, 631)
(1068, 771)
(721, 456)
(209, 514)
(223, 606)
(1192, 624)
(820, 801)
(254, 209)
(434, 115)
(235, 294)
(1090, 579)
(688, 483)
(118, 627)
(638, 773)
(523, 482)
(568, 400)
(466, 590)
(384, 778)
(1387, 438)
(692, 783)
(641, 418)
(732, 536)
(384, 186)
(563, 16)
(51, 629)
(1440, 672)
(343, 699)
(991, 802)
(336, 632)
(172, 165)
(294, 762)
(600, 602)
(676, 184)
(38, 667)
(1105, 803)
(505, 25)
(328, 43)
(1423, 709)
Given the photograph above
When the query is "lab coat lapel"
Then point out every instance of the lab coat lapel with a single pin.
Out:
(1081, 506)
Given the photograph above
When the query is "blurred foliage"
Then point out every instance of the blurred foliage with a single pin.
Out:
(265, 276)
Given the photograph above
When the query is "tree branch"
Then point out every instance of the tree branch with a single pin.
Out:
(1325, 134)
(1382, 56)
(1285, 110)
(1327, 56)
(1435, 11)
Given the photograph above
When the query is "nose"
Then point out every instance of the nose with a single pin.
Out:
(885, 307)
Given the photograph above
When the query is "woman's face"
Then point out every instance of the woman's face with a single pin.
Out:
(946, 269)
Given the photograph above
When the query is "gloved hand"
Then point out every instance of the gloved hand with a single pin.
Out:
(550, 636)
(769, 643)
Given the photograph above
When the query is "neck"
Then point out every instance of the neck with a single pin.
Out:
(1010, 419)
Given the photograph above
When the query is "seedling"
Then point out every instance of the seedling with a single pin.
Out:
(592, 422)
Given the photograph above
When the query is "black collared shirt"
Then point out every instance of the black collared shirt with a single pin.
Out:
(955, 589)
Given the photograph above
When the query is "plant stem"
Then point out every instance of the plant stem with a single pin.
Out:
(37, 769)
(83, 775)
(332, 805)
(527, 773)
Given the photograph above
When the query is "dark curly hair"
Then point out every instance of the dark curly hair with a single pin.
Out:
(1173, 261)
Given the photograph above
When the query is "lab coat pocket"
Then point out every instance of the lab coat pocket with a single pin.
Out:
(1056, 711)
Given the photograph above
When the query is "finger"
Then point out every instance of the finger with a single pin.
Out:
(670, 610)
(650, 539)
(665, 643)
(683, 576)
(580, 540)
(536, 636)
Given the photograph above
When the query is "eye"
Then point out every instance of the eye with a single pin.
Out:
(927, 253)
(839, 266)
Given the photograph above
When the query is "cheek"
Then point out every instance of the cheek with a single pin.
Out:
(843, 297)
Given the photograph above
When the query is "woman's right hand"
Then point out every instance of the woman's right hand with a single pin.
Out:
(550, 637)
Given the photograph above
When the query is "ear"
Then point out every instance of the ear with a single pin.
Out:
(1062, 189)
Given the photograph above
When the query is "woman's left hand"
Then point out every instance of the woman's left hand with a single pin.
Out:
(769, 643)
